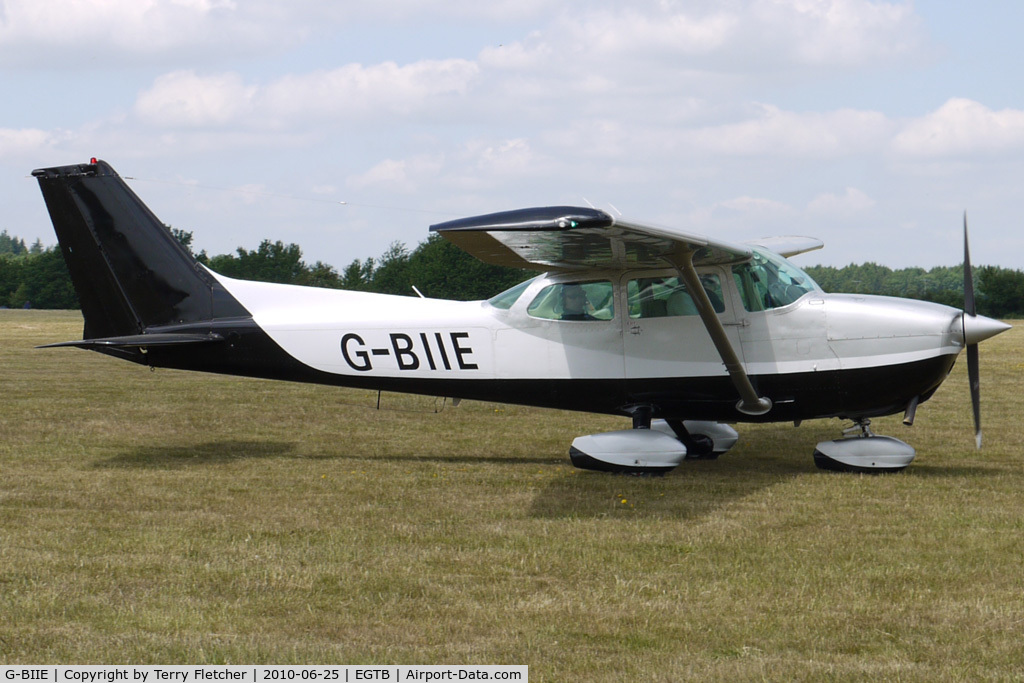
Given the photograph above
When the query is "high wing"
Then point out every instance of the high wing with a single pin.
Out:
(571, 238)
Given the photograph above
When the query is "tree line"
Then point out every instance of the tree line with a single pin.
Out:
(33, 276)
(999, 292)
(37, 277)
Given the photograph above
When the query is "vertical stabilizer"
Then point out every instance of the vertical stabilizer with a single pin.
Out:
(130, 273)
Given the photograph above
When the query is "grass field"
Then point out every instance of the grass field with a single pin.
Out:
(171, 517)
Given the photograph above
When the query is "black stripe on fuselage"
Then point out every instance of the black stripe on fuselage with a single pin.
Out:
(868, 392)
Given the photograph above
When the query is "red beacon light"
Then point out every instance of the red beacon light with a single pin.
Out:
(92, 162)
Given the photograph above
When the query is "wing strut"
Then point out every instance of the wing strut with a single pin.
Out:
(750, 403)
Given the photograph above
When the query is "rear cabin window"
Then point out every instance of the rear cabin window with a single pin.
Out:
(660, 297)
(574, 301)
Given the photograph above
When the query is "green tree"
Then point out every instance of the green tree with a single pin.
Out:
(11, 245)
(358, 275)
(1001, 292)
(441, 270)
(184, 237)
(319, 275)
(44, 282)
(391, 276)
(10, 277)
(270, 262)
(20, 297)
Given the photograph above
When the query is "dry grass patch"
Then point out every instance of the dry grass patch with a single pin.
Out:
(171, 517)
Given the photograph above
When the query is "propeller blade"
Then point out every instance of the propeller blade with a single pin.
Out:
(969, 305)
(970, 309)
(975, 381)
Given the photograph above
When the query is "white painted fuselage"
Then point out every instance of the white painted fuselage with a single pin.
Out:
(448, 347)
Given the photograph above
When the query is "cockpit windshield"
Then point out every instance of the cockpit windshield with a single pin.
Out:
(769, 281)
(508, 298)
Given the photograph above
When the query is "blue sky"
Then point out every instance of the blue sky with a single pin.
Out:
(871, 125)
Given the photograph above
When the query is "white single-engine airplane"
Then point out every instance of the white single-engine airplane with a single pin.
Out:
(682, 332)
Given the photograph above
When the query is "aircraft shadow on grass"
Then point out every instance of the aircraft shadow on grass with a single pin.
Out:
(937, 471)
(466, 460)
(210, 453)
(219, 452)
(694, 490)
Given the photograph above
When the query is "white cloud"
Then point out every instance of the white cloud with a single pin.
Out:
(619, 31)
(754, 205)
(509, 157)
(25, 141)
(475, 165)
(835, 32)
(577, 37)
(962, 127)
(413, 10)
(738, 218)
(399, 175)
(94, 33)
(852, 201)
(357, 90)
(185, 99)
(779, 133)
(692, 39)
(75, 32)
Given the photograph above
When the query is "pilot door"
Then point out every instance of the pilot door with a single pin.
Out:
(664, 336)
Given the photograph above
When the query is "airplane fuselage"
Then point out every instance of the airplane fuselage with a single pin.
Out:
(822, 355)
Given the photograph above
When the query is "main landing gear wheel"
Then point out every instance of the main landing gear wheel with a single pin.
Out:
(630, 451)
(860, 450)
(652, 447)
(704, 440)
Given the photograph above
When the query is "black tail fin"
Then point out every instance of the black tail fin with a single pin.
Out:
(129, 271)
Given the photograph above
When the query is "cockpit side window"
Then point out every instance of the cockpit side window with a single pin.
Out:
(574, 301)
(768, 281)
(658, 297)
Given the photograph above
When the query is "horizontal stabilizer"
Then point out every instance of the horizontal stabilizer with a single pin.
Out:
(140, 341)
